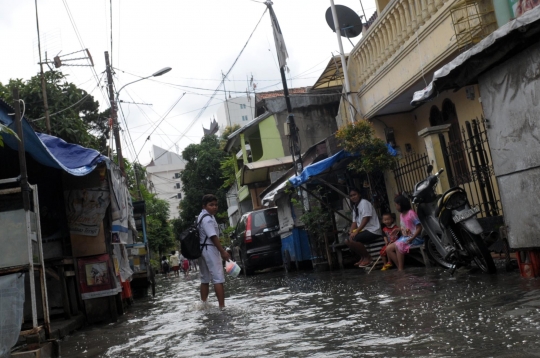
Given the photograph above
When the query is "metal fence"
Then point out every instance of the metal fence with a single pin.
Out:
(469, 165)
(409, 171)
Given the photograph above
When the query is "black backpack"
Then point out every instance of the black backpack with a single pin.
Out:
(190, 242)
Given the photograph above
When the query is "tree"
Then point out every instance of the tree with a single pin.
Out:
(227, 166)
(360, 138)
(226, 133)
(158, 227)
(201, 176)
(74, 114)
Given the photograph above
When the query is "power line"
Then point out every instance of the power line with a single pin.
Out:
(81, 43)
(219, 86)
(165, 116)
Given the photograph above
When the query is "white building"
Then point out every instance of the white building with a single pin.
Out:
(239, 110)
(164, 177)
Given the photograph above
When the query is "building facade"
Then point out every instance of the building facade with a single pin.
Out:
(238, 110)
(164, 178)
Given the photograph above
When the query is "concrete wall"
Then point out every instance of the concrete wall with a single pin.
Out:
(314, 115)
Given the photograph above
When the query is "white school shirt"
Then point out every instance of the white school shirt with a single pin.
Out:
(366, 209)
(207, 228)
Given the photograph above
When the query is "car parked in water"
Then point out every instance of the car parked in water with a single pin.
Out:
(256, 243)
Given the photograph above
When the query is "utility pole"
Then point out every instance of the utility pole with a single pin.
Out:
(43, 87)
(294, 142)
(114, 115)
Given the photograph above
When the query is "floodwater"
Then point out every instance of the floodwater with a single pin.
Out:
(417, 313)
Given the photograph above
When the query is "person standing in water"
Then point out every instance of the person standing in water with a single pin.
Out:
(365, 228)
(210, 266)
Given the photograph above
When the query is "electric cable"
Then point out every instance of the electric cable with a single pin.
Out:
(81, 43)
(165, 116)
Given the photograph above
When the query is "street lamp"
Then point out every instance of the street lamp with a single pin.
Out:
(155, 74)
(114, 115)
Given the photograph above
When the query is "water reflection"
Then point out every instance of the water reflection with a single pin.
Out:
(422, 313)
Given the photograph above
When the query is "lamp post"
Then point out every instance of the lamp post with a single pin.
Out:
(155, 74)
(114, 114)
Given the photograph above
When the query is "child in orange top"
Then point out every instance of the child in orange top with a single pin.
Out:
(390, 234)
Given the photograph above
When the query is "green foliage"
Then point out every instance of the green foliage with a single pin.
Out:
(226, 133)
(130, 169)
(7, 130)
(158, 229)
(201, 176)
(81, 124)
(228, 171)
(317, 221)
(360, 138)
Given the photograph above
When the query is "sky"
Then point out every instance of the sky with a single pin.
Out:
(199, 39)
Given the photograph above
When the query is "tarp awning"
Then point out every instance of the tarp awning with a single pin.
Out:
(497, 47)
(319, 167)
(49, 150)
(332, 75)
(273, 194)
(259, 171)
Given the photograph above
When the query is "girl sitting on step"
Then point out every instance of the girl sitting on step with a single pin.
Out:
(410, 231)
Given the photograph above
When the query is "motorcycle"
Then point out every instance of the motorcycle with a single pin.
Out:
(453, 232)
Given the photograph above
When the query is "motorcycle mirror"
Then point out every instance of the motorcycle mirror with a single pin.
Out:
(429, 169)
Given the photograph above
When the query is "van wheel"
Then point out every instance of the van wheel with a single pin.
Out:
(286, 260)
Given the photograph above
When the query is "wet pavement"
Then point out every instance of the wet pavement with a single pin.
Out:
(417, 313)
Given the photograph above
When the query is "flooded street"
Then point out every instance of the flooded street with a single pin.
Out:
(419, 313)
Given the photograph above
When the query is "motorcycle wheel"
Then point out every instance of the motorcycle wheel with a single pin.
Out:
(434, 255)
(477, 248)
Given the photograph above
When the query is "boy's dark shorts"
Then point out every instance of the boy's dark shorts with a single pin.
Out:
(366, 237)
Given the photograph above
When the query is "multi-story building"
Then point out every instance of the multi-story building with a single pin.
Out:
(164, 177)
(239, 110)
(396, 56)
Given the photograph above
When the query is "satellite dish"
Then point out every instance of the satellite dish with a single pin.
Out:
(350, 23)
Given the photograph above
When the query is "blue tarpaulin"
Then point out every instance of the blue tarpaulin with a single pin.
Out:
(49, 150)
(319, 167)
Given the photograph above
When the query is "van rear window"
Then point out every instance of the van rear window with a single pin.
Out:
(264, 219)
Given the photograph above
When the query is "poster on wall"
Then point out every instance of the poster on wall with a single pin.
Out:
(96, 277)
(519, 7)
(85, 209)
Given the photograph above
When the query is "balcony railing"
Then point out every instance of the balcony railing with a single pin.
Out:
(396, 24)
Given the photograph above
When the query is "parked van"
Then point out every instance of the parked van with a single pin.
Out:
(256, 244)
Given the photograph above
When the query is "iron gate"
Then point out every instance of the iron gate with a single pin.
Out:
(469, 165)
(409, 171)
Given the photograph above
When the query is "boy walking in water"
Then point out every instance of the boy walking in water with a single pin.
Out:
(210, 265)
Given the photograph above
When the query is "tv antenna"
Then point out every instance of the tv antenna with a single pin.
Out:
(65, 60)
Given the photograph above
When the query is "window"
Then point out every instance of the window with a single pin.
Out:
(242, 106)
(244, 118)
(179, 196)
(177, 186)
(176, 175)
